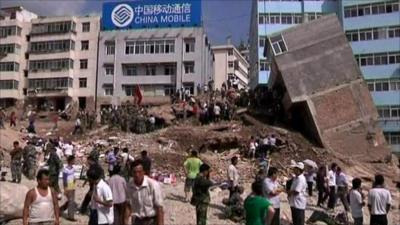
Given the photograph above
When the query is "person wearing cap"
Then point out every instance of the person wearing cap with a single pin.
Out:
(297, 195)
(201, 195)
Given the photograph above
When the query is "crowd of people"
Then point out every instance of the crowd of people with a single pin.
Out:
(130, 118)
(127, 189)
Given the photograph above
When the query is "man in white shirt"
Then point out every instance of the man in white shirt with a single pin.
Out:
(68, 149)
(379, 202)
(356, 202)
(144, 198)
(297, 195)
(101, 204)
(332, 186)
(271, 192)
(118, 188)
(217, 112)
(342, 187)
(233, 175)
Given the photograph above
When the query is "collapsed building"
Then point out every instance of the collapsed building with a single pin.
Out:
(322, 91)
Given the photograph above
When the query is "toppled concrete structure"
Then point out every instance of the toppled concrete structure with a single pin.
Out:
(322, 91)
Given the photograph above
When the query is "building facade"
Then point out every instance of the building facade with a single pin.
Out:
(63, 61)
(229, 65)
(160, 61)
(15, 26)
(271, 16)
(373, 30)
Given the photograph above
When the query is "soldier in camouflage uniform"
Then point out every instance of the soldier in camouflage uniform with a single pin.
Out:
(140, 124)
(30, 164)
(16, 163)
(55, 165)
(201, 195)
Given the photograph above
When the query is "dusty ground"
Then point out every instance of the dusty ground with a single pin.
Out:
(217, 143)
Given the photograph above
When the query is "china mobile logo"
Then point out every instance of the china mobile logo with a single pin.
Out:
(122, 15)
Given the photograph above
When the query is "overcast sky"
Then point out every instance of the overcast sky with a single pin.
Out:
(221, 17)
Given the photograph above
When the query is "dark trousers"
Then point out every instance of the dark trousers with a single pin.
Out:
(276, 220)
(379, 220)
(322, 195)
(86, 201)
(201, 213)
(332, 197)
(358, 221)
(119, 213)
(310, 187)
(144, 221)
(298, 216)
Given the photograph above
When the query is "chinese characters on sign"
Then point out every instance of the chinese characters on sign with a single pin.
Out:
(152, 13)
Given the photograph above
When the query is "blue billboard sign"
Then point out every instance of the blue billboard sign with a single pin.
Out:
(151, 14)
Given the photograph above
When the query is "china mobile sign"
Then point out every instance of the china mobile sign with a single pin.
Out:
(151, 14)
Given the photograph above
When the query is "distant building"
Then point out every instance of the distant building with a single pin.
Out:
(229, 65)
(373, 30)
(328, 103)
(63, 61)
(161, 53)
(271, 16)
(15, 27)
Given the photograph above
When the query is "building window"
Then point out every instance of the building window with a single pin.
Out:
(50, 83)
(170, 70)
(278, 44)
(82, 82)
(9, 48)
(52, 46)
(52, 64)
(109, 70)
(84, 45)
(231, 64)
(83, 63)
(86, 27)
(169, 90)
(378, 59)
(262, 41)
(10, 31)
(129, 90)
(384, 85)
(151, 70)
(190, 45)
(9, 66)
(189, 67)
(264, 65)
(373, 34)
(129, 70)
(53, 28)
(372, 8)
(230, 52)
(110, 48)
(8, 84)
(389, 112)
(108, 89)
(149, 47)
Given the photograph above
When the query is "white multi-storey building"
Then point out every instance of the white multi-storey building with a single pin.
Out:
(15, 27)
(229, 65)
(63, 61)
